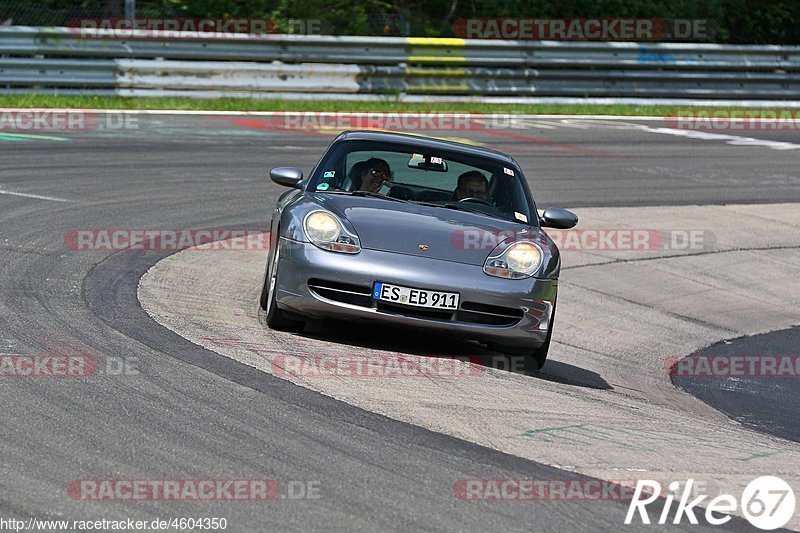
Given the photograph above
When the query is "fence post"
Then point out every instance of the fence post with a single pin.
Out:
(130, 9)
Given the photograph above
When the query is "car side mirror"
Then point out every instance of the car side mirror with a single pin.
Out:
(287, 176)
(555, 217)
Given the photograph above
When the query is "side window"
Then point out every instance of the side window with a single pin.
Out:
(354, 169)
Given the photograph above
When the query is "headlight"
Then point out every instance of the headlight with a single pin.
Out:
(322, 227)
(326, 231)
(520, 260)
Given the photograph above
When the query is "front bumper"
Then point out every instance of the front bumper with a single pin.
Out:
(317, 283)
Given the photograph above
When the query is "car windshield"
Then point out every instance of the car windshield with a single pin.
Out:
(442, 178)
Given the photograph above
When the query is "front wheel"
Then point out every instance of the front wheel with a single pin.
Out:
(276, 318)
(535, 358)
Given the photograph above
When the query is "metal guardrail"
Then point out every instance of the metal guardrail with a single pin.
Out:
(148, 62)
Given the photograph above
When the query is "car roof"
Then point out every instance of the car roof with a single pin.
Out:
(423, 142)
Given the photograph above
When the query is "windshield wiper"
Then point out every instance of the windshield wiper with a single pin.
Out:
(464, 207)
(371, 194)
(368, 194)
(457, 207)
(468, 208)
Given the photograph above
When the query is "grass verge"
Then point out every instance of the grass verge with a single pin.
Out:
(387, 106)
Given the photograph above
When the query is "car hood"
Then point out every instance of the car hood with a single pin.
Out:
(425, 231)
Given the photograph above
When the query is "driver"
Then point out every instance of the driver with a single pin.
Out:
(375, 172)
(471, 184)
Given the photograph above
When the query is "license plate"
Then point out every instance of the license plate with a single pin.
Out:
(416, 297)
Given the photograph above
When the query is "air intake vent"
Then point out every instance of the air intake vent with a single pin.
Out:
(342, 292)
(494, 315)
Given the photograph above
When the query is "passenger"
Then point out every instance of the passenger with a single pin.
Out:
(472, 184)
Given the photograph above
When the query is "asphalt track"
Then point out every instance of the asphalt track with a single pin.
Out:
(191, 413)
(765, 403)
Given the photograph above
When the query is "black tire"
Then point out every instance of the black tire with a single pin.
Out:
(276, 318)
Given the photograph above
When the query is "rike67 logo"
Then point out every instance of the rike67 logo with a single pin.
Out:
(767, 502)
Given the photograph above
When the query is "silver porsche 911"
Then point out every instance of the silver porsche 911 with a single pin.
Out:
(419, 232)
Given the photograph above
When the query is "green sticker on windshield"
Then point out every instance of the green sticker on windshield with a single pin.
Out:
(323, 186)
(329, 174)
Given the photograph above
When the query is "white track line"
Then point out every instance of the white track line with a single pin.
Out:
(35, 196)
(733, 140)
